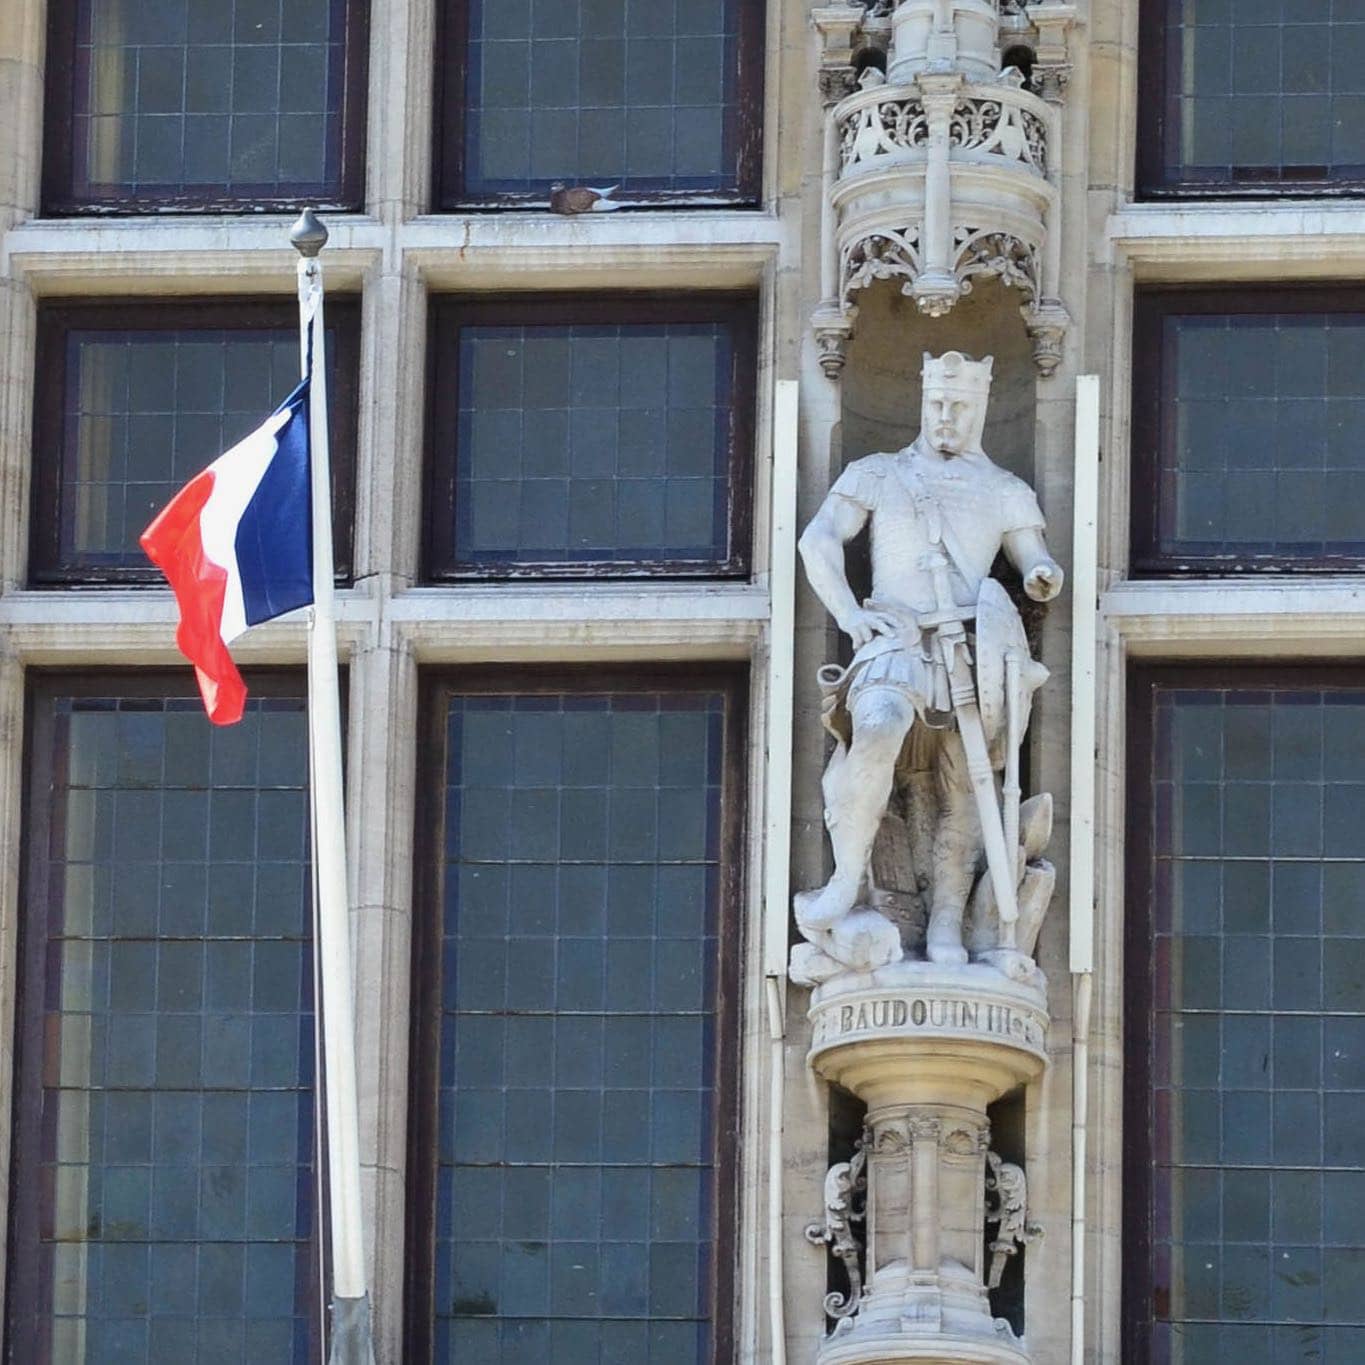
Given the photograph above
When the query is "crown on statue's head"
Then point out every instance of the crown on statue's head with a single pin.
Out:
(958, 373)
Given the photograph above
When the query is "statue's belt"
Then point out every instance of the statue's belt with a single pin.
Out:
(832, 677)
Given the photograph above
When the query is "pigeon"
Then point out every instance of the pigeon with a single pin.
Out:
(574, 199)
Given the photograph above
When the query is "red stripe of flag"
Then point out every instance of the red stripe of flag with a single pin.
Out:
(173, 543)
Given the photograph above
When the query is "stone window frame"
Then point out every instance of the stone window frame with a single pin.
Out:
(423, 1091)
(59, 194)
(447, 150)
(449, 312)
(57, 319)
(1143, 677)
(1153, 425)
(25, 1119)
(1158, 116)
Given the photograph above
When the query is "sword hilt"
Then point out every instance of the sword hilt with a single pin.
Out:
(937, 564)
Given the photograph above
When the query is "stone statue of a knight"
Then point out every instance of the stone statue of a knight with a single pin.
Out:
(929, 715)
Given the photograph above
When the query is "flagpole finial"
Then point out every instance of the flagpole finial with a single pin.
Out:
(308, 235)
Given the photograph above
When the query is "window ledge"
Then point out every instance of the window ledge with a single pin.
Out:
(642, 249)
(565, 621)
(502, 622)
(1291, 616)
(1263, 239)
(181, 254)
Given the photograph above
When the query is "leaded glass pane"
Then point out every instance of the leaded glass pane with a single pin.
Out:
(644, 96)
(587, 443)
(1266, 431)
(1259, 1024)
(577, 1172)
(134, 405)
(175, 1159)
(144, 412)
(1267, 93)
(179, 100)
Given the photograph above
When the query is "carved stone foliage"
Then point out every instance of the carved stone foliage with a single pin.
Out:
(986, 251)
(895, 254)
(845, 1205)
(1007, 1210)
(881, 256)
(837, 83)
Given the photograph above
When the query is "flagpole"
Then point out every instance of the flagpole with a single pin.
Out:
(350, 1335)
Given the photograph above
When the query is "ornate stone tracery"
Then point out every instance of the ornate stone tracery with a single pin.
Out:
(934, 152)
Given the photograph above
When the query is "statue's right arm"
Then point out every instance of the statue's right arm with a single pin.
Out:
(822, 551)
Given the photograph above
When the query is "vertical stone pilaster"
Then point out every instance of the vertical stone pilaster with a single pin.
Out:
(11, 809)
(18, 322)
(22, 46)
(382, 794)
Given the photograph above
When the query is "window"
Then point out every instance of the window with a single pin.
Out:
(1249, 430)
(1246, 98)
(574, 437)
(163, 1191)
(574, 1123)
(133, 399)
(1245, 1052)
(197, 104)
(661, 100)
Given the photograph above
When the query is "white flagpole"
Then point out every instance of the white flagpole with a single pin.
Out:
(350, 1336)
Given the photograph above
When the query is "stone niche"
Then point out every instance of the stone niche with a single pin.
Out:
(929, 1214)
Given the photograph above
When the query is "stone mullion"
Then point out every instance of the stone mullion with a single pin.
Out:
(22, 25)
(400, 114)
(392, 407)
(18, 326)
(11, 810)
(381, 797)
(1106, 85)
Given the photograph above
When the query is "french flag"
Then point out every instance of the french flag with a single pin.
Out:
(236, 545)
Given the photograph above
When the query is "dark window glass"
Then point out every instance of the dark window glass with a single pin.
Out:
(660, 100)
(197, 104)
(583, 1177)
(1248, 431)
(135, 399)
(1252, 97)
(1246, 1017)
(572, 437)
(163, 1179)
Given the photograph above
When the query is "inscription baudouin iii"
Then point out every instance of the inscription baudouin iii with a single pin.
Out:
(929, 1012)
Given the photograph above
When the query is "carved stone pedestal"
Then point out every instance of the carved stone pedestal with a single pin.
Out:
(927, 1048)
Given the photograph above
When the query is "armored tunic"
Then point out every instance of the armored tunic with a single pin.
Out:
(922, 505)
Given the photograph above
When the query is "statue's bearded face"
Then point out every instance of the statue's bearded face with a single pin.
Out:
(953, 421)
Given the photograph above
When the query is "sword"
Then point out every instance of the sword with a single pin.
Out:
(951, 638)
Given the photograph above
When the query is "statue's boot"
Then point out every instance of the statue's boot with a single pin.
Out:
(823, 909)
(956, 844)
(943, 942)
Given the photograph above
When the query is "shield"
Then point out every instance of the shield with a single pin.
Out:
(999, 632)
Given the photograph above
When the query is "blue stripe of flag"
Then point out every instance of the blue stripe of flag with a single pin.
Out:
(275, 535)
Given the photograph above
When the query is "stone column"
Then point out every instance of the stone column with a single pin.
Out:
(936, 288)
